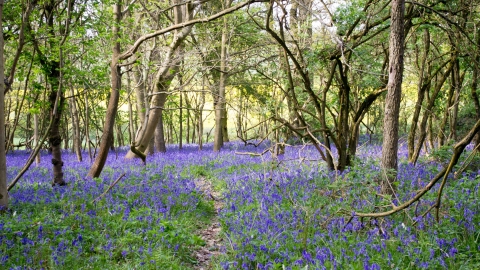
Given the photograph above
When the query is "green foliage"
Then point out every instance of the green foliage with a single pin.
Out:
(443, 153)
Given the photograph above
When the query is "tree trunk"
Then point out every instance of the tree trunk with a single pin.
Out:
(430, 132)
(357, 120)
(77, 143)
(7, 120)
(457, 84)
(180, 120)
(474, 94)
(422, 87)
(36, 136)
(164, 77)
(87, 130)
(18, 108)
(118, 130)
(3, 158)
(200, 116)
(187, 104)
(112, 108)
(441, 131)
(394, 93)
(220, 112)
(431, 103)
(159, 129)
(65, 135)
(344, 100)
(56, 107)
(131, 129)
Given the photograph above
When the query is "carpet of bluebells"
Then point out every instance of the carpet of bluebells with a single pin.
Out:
(279, 213)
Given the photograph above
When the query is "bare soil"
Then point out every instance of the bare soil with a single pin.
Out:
(211, 235)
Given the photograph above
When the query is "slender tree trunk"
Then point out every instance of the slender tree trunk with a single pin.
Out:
(87, 130)
(474, 94)
(116, 80)
(118, 131)
(77, 143)
(430, 132)
(163, 80)
(180, 120)
(457, 84)
(19, 107)
(220, 112)
(3, 159)
(131, 129)
(200, 116)
(187, 103)
(225, 124)
(66, 129)
(428, 112)
(7, 121)
(441, 131)
(322, 115)
(36, 136)
(159, 129)
(171, 130)
(394, 93)
(357, 120)
(422, 86)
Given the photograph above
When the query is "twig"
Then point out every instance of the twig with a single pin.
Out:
(109, 188)
(424, 214)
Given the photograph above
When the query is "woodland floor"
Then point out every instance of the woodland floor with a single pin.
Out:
(211, 235)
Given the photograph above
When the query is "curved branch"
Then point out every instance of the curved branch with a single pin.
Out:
(457, 152)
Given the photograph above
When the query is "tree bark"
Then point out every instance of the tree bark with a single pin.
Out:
(357, 120)
(200, 116)
(112, 108)
(220, 113)
(441, 131)
(87, 129)
(164, 77)
(160, 128)
(36, 136)
(55, 138)
(473, 90)
(3, 158)
(344, 100)
(131, 129)
(394, 92)
(428, 112)
(77, 143)
(422, 87)
(56, 107)
(457, 85)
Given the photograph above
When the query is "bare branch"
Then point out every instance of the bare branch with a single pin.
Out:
(109, 188)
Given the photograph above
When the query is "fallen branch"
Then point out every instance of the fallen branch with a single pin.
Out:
(109, 188)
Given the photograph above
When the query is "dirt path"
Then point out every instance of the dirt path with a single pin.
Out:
(210, 235)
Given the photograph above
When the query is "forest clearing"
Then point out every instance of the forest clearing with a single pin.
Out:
(239, 134)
